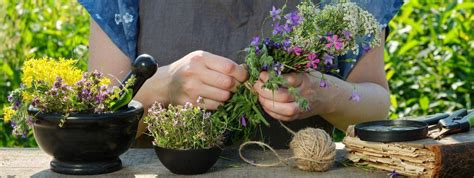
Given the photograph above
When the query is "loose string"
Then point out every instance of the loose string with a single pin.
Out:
(281, 160)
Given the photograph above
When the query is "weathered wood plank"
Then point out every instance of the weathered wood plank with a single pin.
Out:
(144, 163)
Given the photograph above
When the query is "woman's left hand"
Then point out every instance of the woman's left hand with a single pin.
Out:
(281, 104)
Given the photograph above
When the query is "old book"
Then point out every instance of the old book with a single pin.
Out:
(452, 156)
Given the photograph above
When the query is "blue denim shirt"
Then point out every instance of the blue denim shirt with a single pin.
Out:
(119, 19)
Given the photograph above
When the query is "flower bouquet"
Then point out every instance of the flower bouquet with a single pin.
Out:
(186, 140)
(306, 40)
(76, 116)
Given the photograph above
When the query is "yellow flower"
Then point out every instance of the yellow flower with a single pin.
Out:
(104, 81)
(8, 113)
(47, 69)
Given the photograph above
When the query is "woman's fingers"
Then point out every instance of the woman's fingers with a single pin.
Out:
(211, 104)
(289, 110)
(293, 79)
(280, 95)
(218, 80)
(278, 116)
(211, 93)
(225, 66)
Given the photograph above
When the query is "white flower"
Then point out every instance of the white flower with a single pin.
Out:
(118, 19)
(127, 18)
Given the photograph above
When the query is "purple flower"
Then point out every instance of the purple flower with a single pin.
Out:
(287, 28)
(334, 41)
(293, 18)
(277, 45)
(268, 42)
(10, 98)
(264, 67)
(54, 91)
(277, 28)
(58, 82)
(257, 50)
(323, 83)
(80, 82)
(393, 174)
(277, 67)
(243, 121)
(97, 74)
(275, 13)
(366, 47)
(355, 96)
(85, 92)
(286, 43)
(255, 41)
(35, 102)
(328, 59)
(347, 34)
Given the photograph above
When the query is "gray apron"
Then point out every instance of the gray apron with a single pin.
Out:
(170, 29)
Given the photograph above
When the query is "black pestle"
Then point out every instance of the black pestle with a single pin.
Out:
(143, 68)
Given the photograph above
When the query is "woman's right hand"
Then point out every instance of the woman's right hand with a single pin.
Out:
(204, 74)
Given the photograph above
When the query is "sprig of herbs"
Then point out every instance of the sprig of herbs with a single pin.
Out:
(302, 41)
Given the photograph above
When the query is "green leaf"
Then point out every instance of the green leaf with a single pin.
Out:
(465, 5)
(407, 47)
(424, 102)
(393, 101)
(122, 101)
(7, 69)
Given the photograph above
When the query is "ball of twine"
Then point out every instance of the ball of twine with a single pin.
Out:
(313, 150)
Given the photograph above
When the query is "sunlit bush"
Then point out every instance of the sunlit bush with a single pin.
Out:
(37, 28)
(430, 58)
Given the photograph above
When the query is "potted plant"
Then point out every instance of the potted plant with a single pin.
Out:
(186, 139)
(76, 116)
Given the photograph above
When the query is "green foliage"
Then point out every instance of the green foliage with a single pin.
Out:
(34, 29)
(429, 57)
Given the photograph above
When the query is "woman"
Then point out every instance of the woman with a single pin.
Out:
(197, 43)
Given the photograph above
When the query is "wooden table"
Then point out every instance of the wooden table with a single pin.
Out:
(33, 162)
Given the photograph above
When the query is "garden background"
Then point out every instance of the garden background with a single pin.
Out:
(429, 54)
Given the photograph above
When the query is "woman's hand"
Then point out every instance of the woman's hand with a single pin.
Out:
(281, 104)
(204, 74)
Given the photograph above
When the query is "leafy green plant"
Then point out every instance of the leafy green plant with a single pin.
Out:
(184, 127)
(35, 29)
(429, 57)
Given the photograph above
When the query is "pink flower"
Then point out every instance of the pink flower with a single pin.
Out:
(312, 56)
(334, 41)
(313, 61)
(297, 50)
